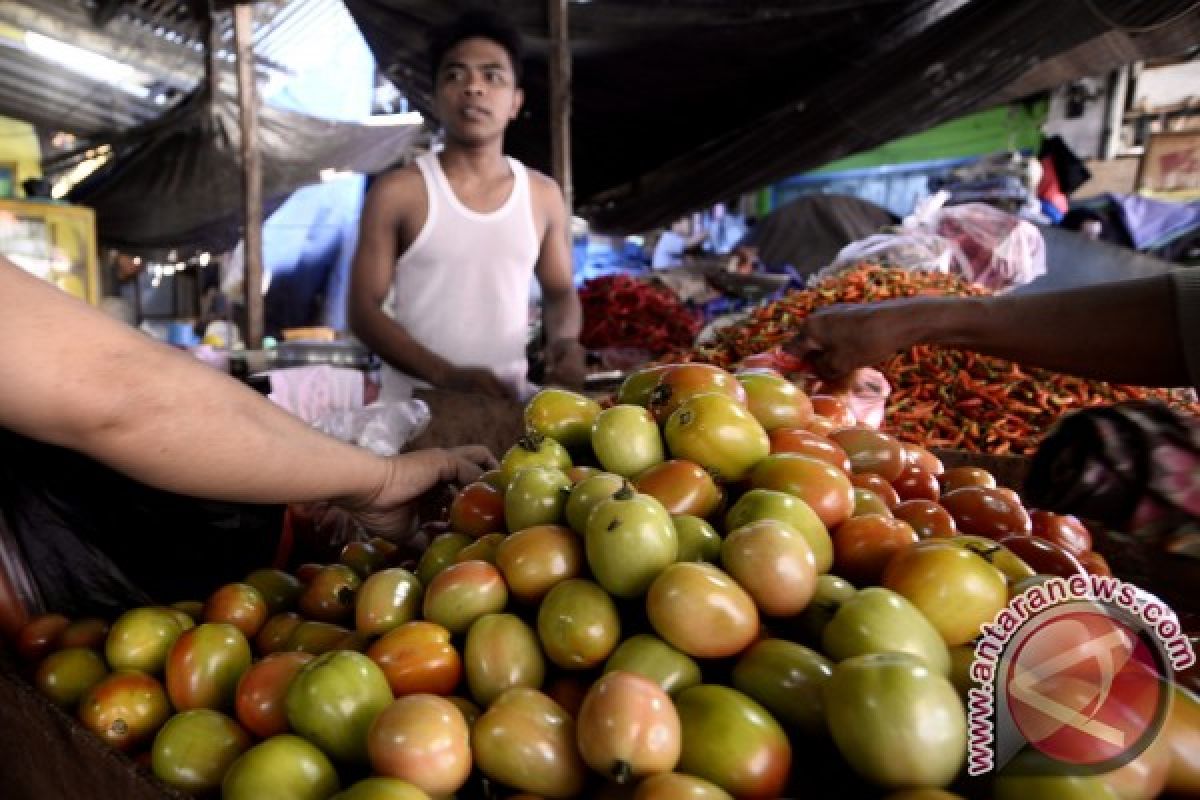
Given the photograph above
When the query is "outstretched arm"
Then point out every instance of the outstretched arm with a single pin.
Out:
(1126, 332)
(80, 380)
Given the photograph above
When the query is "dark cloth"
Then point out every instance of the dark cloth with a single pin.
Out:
(98, 542)
(808, 233)
(1071, 171)
(1132, 472)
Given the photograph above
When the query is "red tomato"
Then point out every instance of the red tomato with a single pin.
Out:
(874, 482)
(927, 518)
(1095, 564)
(39, 636)
(825, 488)
(362, 557)
(89, 633)
(683, 487)
(834, 409)
(958, 477)
(807, 443)
(477, 510)
(1045, 557)
(417, 657)
(872, 451)
(125, 709)
(239, 604)
(204, 666)
(329, 597)
(986, 512)
(821, 426)
(863, 546)
(262, 689)
(919, 456)
(1064, 530)
(915, 483)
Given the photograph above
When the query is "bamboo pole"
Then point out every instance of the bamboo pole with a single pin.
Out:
(560, 99)
(243, 36)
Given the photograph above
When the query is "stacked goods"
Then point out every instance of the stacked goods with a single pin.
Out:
(620, 311)
(693, 593)
(941, 398)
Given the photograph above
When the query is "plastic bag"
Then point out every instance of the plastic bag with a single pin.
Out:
(865, 390)
(382, 428)
(982, 244)
(908, 250)
(992, 248)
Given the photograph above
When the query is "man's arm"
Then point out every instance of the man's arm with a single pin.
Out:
(562, 314)
(83, 381)
(1125, 332)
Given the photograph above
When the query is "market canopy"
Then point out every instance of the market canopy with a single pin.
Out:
(176, 182)
(680, 103)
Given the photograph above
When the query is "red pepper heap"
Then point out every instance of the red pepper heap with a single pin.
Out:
(622, 311)
(940, 397)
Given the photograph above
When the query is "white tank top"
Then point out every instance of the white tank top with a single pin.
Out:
(462, 287)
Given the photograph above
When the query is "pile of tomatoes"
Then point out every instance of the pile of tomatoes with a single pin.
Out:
(706, 590)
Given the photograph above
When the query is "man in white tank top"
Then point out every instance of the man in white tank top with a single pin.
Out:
(460, 235)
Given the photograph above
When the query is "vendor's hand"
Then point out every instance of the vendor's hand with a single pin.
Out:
(566, 363)
(476, 380)
(839, 339)
(388, 510)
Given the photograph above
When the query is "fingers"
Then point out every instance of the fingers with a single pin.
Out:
(477, 454)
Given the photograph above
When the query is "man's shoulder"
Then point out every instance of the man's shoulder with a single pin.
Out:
(541, 182)
(399, 177)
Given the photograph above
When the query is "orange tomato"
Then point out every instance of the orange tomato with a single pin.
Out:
(863, 546)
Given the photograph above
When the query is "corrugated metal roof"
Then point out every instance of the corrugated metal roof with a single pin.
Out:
(161, 39)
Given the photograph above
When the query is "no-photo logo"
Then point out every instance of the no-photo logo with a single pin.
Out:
(1080, 669)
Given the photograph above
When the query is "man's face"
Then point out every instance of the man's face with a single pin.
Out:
(476, 93)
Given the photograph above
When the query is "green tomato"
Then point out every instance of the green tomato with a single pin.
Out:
(387, 600)
(501, 652)
(877, 620)
(831, 592)
(440, 554)
(653, 658)
(587, 494)
(732, 741)
(280, 589)
(760, 504)
(378, 788)
(140, 639)
(698, 541)
(334, 699)
(630, 540)
(578, 624)
(66, 675)
(536, 496)
(533, 450)
(1033, 776)
(195, 749)
(626, 440)
(563, 416)
(787, 679)
(897, 722)
(283, 767)
(719, 434)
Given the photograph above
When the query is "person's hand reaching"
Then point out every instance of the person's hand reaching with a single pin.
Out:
(388, 510)
(838, 339)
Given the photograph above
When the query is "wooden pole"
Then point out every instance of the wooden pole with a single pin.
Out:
(560, 99)
(243, 36)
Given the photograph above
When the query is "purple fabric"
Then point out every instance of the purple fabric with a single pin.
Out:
(1155, 222)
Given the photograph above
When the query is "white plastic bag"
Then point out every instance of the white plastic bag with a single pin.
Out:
(382, 428)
